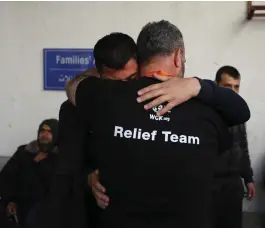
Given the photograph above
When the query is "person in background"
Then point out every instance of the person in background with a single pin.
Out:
(233, 165)
(25, 179)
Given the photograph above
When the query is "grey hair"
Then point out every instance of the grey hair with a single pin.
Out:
(158, 39)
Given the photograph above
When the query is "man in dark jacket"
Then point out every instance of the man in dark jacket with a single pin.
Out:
(25, 179)
(71, 197)
(233, 165)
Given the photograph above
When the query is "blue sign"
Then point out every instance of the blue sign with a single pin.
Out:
(60, 65)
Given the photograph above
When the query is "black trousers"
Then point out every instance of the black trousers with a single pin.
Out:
(227, 203)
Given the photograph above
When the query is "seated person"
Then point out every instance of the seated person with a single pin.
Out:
(25, 179)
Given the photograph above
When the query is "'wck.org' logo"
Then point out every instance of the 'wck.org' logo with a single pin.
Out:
(156, 117)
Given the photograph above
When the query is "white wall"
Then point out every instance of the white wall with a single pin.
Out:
(216, 33)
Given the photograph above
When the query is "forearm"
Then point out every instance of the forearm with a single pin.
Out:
(247, 175)
(246, 170)
(230, 106)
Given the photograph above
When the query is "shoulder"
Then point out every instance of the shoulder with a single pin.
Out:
(87, 89)
(31, 147)
(21, 147)
(67, 108)
(66, 105)
(91, 82)
(21, 150)
(96, 90)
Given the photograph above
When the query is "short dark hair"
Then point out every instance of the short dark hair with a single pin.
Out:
(232, 71)
(158, 38)
(114, 51)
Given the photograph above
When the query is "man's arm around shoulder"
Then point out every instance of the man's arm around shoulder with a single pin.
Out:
(246, 169)
(229, 105)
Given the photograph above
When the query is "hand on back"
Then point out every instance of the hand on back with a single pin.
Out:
(174, 91)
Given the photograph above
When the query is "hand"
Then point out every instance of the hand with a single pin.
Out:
(40, 156)
(251, 190)
(175, 91)
(98, 190)
(11, 209)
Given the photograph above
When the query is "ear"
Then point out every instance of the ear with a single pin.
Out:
(178, 58)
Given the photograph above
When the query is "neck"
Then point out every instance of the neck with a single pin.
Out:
(158, 65)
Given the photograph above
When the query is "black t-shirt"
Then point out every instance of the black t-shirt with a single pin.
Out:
(157, 170)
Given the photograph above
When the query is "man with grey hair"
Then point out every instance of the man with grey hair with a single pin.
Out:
(149, 151)
(150, 47)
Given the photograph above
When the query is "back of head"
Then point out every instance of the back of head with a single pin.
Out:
(159, 39)
(114, 51)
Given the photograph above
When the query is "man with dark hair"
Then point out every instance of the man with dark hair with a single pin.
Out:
(25, 179)
(115, 55)
(135, 150)
(233, 165)
(229, 77)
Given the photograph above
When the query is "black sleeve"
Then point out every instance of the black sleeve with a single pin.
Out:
(72, 134)
(230, 106)
(246, 170)
(86, 96)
